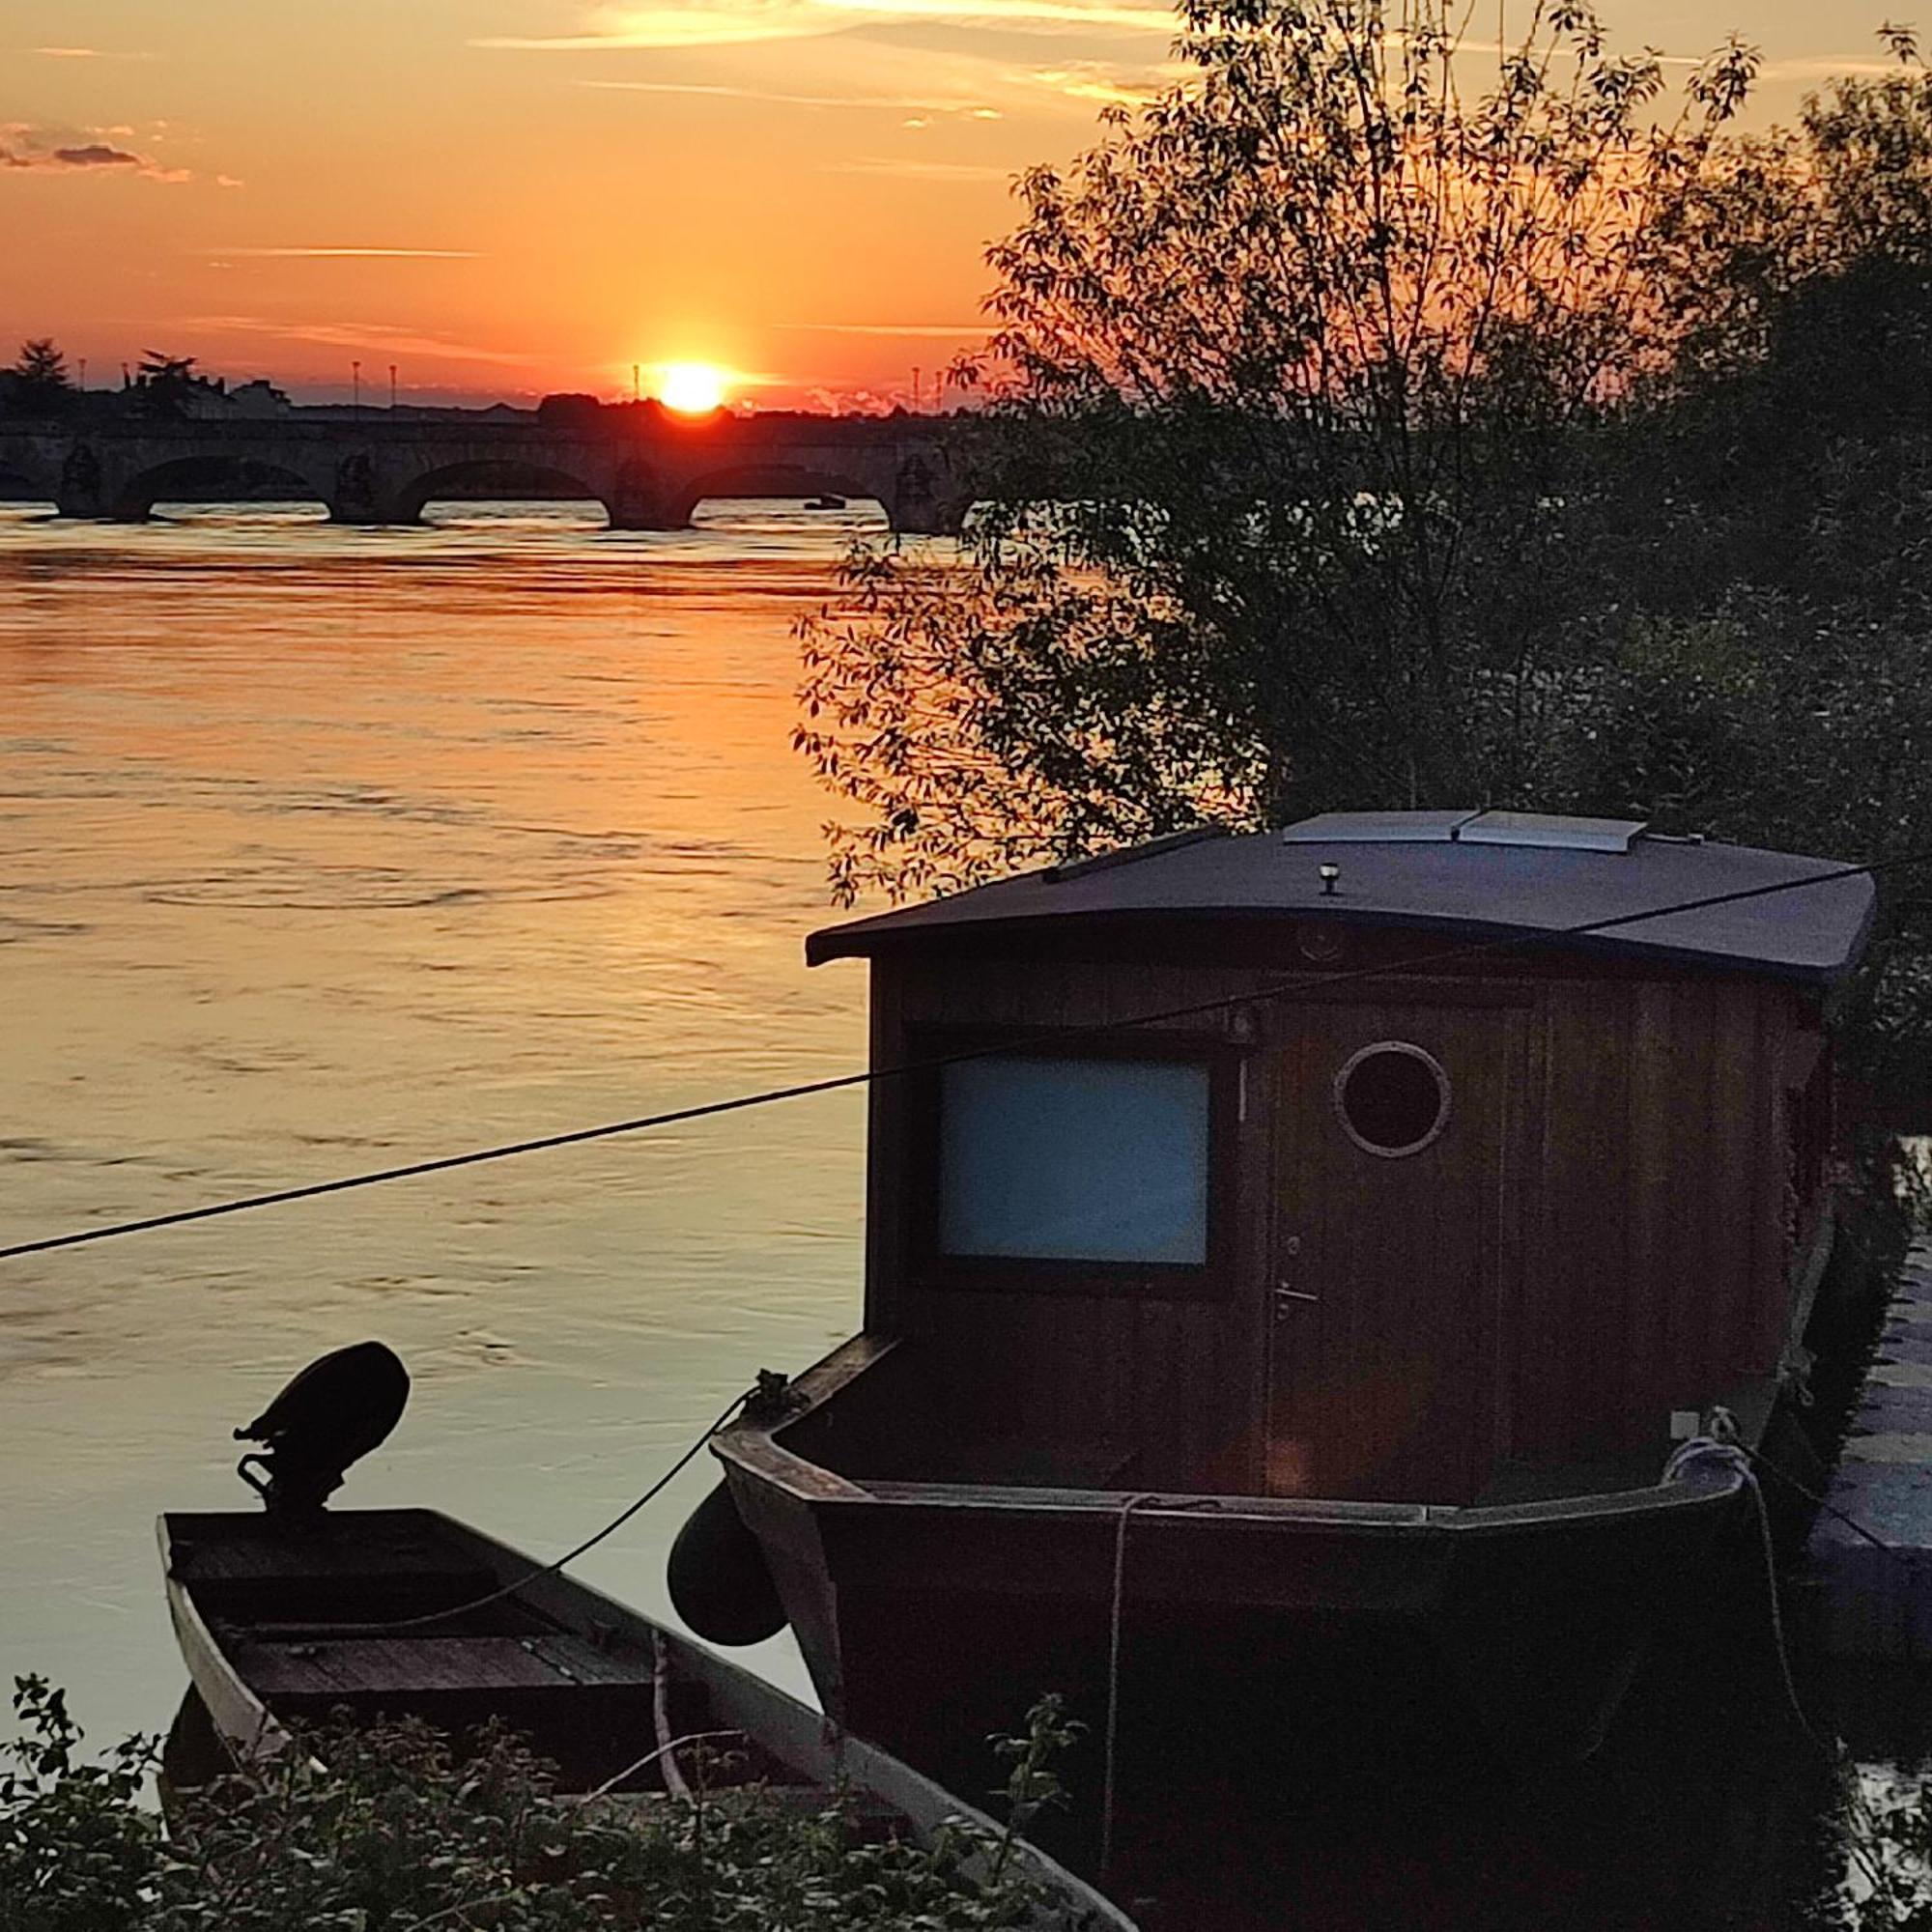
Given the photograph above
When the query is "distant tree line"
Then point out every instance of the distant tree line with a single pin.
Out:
(40, 382)
(1367, 440)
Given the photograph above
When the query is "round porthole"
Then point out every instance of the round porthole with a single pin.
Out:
(1392, 1098)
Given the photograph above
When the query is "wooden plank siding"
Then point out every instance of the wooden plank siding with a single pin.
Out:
(1636, 1262)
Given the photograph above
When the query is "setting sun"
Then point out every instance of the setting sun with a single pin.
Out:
(694, 388)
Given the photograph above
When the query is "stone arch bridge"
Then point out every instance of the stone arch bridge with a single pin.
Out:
(648, 476)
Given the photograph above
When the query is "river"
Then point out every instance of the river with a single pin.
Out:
(322, 849)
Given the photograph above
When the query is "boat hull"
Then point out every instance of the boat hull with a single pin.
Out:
(930, 1613)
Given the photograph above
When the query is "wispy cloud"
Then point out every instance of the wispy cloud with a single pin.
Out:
(700, 23)
(352, 254)
(723, 22)
(886, 164)
(1101, 15)
(90, 54)
(1829, 66)
(370, 336)
(1111, 82)
(858, 102)
(27, 148)
(942, 331)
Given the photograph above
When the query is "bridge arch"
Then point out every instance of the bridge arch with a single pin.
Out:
(770, 479)
(200, 477)
(23, 486)
(514, 477)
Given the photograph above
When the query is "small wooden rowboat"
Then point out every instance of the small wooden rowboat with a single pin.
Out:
(280, 1626)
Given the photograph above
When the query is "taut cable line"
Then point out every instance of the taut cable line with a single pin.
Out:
(1283, 990)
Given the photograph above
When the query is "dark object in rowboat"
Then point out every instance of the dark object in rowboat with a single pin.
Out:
(279, 1631)
(827, 502)
(720, 1583)
(331, 1414)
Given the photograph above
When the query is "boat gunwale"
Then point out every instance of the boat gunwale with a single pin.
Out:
(753, 1447)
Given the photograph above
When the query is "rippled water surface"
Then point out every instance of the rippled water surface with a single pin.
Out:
(323, 849)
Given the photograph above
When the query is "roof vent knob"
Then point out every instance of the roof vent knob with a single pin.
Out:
(1329, 874)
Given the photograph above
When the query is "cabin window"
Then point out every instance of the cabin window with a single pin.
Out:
(1392, 1098)
(1064, 1158)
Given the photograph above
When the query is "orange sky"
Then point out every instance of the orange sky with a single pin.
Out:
(505, 197)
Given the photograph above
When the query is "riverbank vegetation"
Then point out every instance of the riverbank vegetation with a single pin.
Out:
(1389, 420)
(398, 1834)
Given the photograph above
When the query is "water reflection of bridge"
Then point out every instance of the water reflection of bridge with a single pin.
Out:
(647, 474)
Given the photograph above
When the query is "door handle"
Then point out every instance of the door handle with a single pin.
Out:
(1285, 1296)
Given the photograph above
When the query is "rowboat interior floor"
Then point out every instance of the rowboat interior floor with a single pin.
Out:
(308, 1622)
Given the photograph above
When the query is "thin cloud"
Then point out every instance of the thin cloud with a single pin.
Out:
(26, 149)
(1102, 13)
(857, 102)
(89, 53)
(725, 22)
(1829, 66)
(943, 331)
(1106, 82)
(352, 254)
(372, 335)
(883, 164)
(713, 24)
(95, 154)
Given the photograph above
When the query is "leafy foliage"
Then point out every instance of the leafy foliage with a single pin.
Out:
(1887, 1830)
(1303, 357)
(1357, 441)
(76, 1854)
(399, 1834)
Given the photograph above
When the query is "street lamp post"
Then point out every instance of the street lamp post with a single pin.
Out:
(355, 386)
(392, 386)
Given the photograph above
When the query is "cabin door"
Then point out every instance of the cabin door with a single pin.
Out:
(1393, 1230)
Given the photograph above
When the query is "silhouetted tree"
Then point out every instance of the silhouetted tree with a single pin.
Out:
(155, 369)
(40, 366)
(1303, 357)
(1359, 444)
(166, 384)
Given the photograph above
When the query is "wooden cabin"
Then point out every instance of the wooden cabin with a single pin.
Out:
(1397, 1155)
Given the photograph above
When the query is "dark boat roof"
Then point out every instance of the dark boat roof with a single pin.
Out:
(1483, 874)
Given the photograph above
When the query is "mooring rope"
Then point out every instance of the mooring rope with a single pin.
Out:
(551, 1568)
(1112, 1735)
(1829, 1508)
(1720, 1447)
(1283, 990)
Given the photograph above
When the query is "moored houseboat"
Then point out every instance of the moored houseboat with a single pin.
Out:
(1309, 1235)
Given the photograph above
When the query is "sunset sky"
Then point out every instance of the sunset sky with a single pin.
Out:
(505, 197)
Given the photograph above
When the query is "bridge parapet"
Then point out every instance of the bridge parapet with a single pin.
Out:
(379, 471)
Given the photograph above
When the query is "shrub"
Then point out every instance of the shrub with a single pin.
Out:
(389, 1827)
